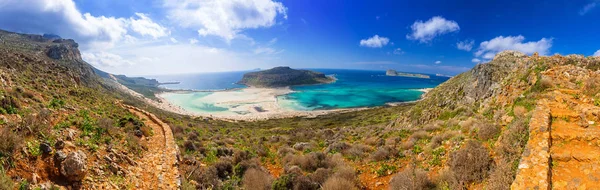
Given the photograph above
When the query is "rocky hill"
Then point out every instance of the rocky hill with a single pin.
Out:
(61, 124)
(283, 76)
(526, 122)
(395, 73)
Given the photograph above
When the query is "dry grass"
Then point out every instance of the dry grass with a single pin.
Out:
(338, 183)
(255, 179)
(487, 131)
(410, 179)
(471, 163)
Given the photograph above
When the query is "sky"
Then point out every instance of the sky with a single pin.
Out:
(154, 37)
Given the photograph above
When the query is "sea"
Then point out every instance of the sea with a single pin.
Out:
(352, 89)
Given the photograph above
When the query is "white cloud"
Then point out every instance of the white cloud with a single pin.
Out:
(272, 41)
(374, 42)
(224, 19)
(146, 27)
(488, 49)
(267, 51)
(193, 41)
(173, 40)
(426, 31)
(438, 62)
(398, 51)
(475, 60)
(104, 59)
(466, 45)
(588, 7)
(597, 53)
(63, 18)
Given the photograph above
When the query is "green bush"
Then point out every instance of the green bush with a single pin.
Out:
(56, 103)
(284, 182)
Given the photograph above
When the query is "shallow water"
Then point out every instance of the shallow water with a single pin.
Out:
(354, 88)
(357, 88)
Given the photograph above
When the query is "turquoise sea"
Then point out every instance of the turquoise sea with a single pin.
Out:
(353, 88)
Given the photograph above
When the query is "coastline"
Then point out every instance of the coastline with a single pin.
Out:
(256, 103)
(251, 104)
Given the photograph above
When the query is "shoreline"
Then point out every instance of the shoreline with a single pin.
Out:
(252, 104)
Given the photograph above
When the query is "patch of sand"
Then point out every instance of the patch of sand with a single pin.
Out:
(250, 104)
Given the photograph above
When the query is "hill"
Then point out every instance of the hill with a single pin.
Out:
(283, 76)
(391, 72)
(512, 122)
(61, 123)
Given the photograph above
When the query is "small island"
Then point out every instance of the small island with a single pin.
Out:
(391, 72)
(282, 77)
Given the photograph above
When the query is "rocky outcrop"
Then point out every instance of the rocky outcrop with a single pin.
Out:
(74, 166)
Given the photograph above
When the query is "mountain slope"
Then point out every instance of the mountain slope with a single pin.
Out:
(59, 122)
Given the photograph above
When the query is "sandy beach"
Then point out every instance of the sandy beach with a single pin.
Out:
(244, 104)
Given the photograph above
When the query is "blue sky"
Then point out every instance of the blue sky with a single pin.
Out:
(189, 36)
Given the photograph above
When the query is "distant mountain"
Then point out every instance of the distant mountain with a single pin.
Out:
(283, 76)
(391, 72)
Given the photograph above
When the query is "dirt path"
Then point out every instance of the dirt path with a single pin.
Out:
(157, 169)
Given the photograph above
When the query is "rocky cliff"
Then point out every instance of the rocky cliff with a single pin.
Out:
(283, 76)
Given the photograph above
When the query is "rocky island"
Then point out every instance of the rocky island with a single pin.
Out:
(391, 72)
(282, 77)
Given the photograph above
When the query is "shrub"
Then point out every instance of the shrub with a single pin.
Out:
(320, 175)
(410, 179)
(9, 144)
(224, 168)
(255, 179)
(284, 182)
(592, 86)
(6, 183)
(502, 177)
(345, 172)
(189, 146)
(240, 168)
(308, 162)
(357, 151)
(381, 154)
(471, 163)
(301, 182)
(438, 139)
(487, 131)
(56, 103)
(338, 183)
(206, 177)
(284, 150)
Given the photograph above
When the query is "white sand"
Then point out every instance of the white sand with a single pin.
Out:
(251, 104)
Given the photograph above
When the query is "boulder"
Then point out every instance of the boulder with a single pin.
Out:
(45, 148)
(73, 167)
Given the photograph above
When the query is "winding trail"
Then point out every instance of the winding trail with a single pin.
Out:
(157, 169)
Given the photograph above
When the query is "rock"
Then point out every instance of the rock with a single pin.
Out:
(138, 133)
(59, 145)
(73, 167)
(45, 148)
(300, 146)
(114, 168)
(59, 156)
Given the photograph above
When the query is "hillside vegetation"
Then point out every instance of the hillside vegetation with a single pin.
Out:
(481, 129)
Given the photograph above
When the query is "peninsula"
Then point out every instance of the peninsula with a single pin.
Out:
(391, 72)
(282, 77)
